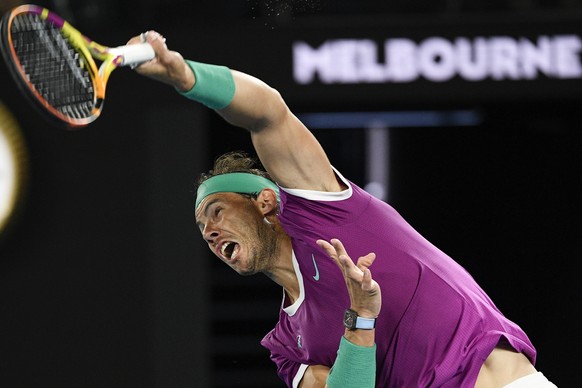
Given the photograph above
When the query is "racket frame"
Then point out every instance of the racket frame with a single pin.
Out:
(111, 59)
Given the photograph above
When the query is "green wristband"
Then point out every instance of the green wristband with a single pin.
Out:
(355, 366)
(214, 85)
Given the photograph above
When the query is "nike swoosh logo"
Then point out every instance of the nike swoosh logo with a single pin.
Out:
(316, 276)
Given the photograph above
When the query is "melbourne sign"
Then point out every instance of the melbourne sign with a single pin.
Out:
(438, 59)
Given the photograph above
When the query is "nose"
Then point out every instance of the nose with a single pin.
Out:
(210, 233)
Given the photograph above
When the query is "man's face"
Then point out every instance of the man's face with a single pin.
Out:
(235, 231)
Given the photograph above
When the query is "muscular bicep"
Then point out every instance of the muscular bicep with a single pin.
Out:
(294, 157)
(286, 148)
(315, 377)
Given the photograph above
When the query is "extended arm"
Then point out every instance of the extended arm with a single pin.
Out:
(287, 149)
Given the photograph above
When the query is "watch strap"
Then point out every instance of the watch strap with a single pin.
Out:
(352, 321)
(365, 323)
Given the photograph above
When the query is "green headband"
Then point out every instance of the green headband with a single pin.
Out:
(234, 182)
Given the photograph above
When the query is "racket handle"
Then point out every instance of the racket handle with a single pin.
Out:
(135, 54)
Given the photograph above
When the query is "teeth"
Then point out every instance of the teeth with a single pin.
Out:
(223, 249)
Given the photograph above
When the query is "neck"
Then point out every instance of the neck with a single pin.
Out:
(282, 271)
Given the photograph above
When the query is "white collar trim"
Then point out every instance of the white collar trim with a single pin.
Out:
(323, 195)
(292, 309)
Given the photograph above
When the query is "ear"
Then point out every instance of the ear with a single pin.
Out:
(267, 201)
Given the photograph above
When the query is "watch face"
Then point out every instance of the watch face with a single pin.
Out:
(350, 318)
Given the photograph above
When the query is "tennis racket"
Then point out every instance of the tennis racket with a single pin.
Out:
(54, 64)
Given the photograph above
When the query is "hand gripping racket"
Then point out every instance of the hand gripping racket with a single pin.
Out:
(53, 63)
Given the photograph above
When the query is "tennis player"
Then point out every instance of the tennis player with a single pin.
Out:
(436, 327)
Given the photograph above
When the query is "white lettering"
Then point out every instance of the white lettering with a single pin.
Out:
(307, 62)
(437, 59)
(472, 58)
(503, 54)
(369, 69)
(567, 57)
(401, 63)
(346, 63)
(535, 57)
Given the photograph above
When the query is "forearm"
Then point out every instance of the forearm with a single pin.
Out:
(315, 377)
(361, 337)
(355, 365)
(240, 98)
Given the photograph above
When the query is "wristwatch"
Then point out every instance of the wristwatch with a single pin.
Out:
(353, 322)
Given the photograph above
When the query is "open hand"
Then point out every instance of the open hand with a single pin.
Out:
(365, 293)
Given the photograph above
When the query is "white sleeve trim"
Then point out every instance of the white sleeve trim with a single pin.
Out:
(299, 375)
(323, 195)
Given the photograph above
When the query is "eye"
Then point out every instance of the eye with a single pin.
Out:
(217, 210)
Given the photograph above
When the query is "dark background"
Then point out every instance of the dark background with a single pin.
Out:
(104, 280)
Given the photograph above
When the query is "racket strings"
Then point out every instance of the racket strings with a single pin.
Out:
(53, 67)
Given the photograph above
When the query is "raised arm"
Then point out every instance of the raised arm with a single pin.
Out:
(355, 364)
(287, 149)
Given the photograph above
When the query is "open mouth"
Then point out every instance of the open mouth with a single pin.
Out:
(229, 250)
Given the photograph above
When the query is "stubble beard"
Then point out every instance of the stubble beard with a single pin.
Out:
(264, 253)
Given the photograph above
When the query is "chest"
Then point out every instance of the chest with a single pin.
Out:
(313, 326)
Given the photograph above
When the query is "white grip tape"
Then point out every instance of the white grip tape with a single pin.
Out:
(135, 54)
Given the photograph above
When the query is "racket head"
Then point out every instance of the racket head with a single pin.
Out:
(50, 62)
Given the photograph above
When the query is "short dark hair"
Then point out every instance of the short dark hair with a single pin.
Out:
(235, 161)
